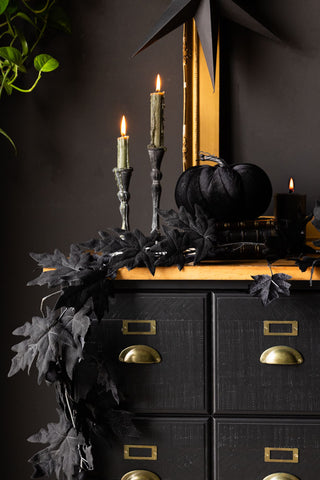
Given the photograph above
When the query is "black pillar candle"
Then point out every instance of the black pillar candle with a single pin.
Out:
(290, 206)
(290, 213)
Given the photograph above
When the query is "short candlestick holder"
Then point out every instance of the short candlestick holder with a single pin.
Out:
(123, 177)
(155, 156)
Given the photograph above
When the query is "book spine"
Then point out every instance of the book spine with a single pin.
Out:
(254, 235)
(242, 251)
(247, 224)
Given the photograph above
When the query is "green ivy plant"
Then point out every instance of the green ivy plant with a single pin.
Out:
(23, 24)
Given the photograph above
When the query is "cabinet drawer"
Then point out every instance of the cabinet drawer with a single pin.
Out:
(167, 329)
(245, 329)
(254, 449)
(170, 448)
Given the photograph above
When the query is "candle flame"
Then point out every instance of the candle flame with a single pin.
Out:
(158, 83)
(123, 127)
(291, 185)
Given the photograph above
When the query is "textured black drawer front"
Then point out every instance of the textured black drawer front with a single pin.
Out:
(180, 450)
(244, 384)
(179, 382)
(242, 446)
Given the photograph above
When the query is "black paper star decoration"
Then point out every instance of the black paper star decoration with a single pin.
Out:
(206, 14)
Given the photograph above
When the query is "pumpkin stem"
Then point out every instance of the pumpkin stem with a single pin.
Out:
(205, 157)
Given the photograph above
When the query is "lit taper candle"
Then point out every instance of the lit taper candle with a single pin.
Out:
(156, 116)
(123, 146)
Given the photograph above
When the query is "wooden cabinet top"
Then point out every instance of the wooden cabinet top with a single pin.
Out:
(228, 270)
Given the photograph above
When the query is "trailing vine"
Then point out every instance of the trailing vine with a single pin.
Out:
(23, 25)
(56, 343)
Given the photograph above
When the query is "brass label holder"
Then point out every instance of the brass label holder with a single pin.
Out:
(294, 455)
(152, 448)
(291, 333)
(151, 324)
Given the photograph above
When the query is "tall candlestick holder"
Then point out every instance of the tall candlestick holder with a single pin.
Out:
(155, 156)
(123, 177)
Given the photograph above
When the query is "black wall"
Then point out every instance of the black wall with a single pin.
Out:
(60, 188)
(271, 95)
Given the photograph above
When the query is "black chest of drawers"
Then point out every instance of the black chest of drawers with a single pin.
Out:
(221, 386)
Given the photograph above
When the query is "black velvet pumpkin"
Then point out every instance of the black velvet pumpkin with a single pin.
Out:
(225, 192)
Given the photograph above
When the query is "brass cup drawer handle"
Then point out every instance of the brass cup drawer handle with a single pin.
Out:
(140, 475)
(281, 476)
(139, 354)
(281, 355)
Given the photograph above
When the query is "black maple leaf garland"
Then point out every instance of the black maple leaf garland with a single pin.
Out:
(57, 342)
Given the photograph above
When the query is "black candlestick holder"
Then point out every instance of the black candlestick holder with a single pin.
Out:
(123, 177)
(155, 156)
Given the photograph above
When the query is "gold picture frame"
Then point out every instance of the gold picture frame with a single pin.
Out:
(201, 104)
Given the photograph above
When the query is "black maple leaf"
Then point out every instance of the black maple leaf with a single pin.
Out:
(268, 288)
(62, 456)
(305, 262)
(65, 270)
(171, 250)
(80, 323)
(92, 375)
(200, 229)
(107, 422)
(96, 285)
(50, 340)
(134, 251)
(110, 240)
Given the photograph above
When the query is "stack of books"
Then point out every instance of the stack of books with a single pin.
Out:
(246, 238)
(246, 230)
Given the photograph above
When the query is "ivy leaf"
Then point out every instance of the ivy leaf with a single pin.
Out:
(23, 41)
(45, 63)
(50, 340)
(13, 56)
(316, 216)
(62, 456)
(96, 285)
(170, 251)
(26, 17)
(134, 251)
(3, 5)
(59, 19)
(268, 288)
